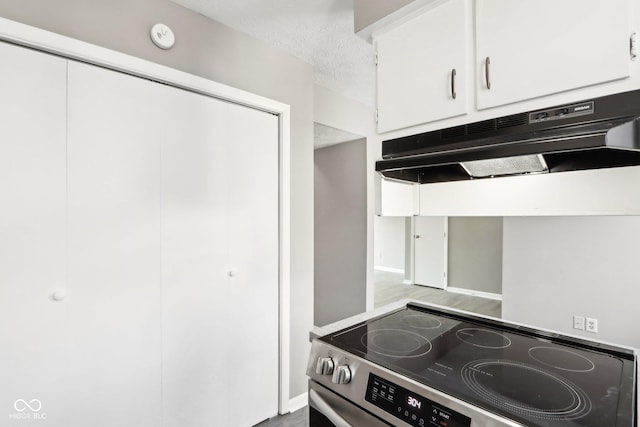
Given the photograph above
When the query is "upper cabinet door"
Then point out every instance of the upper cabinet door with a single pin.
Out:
(540, 47)
(422, 69)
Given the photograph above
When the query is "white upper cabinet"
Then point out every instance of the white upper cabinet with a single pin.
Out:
(422, 68)
(504, 53)
(541, 47)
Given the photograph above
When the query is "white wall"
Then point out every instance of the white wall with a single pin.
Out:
(366, 12)
(333, 109)
(389, 243)
(340, 268)
(211, 50)
(557, 267)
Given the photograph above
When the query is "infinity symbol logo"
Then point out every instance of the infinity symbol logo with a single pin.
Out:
(21, 405)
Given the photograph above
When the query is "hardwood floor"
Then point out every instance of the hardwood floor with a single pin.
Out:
(389, 288)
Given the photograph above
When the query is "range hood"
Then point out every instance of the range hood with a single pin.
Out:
(598, 133)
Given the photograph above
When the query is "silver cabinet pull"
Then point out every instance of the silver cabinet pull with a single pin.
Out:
(453, 83)
(487, 62)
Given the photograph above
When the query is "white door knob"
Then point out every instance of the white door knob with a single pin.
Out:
(59, 295)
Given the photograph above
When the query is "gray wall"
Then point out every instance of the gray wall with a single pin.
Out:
(475, 253)
(340, 231)
(389, 242)
(557, 267)
(211, 50)
(366, 12)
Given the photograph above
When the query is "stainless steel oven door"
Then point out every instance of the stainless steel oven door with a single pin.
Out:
(327, 409)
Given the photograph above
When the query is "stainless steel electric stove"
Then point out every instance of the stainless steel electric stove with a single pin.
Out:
(421, 366)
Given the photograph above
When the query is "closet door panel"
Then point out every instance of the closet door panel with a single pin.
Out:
(216, 268)
(32, 234)
(114, 247)
(194, 260)
(253, 253)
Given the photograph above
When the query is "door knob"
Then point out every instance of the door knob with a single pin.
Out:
(417, 236)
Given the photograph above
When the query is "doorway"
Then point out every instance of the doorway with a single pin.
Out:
(340, 224)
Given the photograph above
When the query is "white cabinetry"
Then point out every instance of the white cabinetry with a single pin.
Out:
(514, 50)
(541, 47)
(422, 68)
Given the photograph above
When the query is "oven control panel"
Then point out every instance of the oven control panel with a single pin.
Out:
(411, 408)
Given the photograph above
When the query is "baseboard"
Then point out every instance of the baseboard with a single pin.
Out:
(488, 295)
(407, 282)
(298, 402)
(389, 269)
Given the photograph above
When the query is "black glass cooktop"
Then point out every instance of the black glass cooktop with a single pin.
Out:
(533, 377)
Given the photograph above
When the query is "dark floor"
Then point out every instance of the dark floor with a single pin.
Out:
(299, 418)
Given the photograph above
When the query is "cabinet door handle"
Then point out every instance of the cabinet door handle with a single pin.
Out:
(325, 409)
(487, 62)
(453, 83)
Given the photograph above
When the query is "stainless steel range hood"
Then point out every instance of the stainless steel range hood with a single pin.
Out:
(592, 134)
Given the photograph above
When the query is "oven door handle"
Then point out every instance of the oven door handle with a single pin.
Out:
(323, 407)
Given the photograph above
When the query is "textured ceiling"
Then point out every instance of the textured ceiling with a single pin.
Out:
(320, 32)
(324, 136)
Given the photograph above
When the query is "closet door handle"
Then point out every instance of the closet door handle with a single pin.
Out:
(453, 83)
(487, 63)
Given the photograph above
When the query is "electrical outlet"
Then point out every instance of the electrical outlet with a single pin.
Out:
(578, 322)
(591, 325)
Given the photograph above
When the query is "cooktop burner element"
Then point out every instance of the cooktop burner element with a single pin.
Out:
(422, 321)
(505, 384)
(527, 376)
(396, 343)
(560, 358)
(483, 338)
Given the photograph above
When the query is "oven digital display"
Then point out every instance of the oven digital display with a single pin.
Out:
(411, 408)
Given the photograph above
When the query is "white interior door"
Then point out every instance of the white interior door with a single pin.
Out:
(220, 263)
(33, 359)
(430, 251)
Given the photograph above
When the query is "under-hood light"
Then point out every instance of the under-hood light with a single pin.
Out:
(517, 165)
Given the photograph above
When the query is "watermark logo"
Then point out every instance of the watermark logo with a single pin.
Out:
(28, 410)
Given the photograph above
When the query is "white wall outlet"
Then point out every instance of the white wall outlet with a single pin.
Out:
(591, 325)
(578, 322)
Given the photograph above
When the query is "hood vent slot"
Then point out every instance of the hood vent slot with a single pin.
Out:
(513, 120)
(453, 132)
(485, 126)
(481, 127)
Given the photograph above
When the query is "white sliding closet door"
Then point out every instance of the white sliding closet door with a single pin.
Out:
(33, 330)
(114, 258)
(220, 263)
(156, 210)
